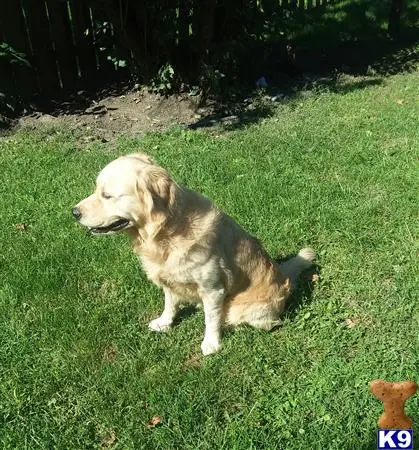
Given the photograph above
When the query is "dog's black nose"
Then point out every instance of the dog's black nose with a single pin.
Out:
(76, 213)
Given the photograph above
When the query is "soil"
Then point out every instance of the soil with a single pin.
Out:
(130, 112)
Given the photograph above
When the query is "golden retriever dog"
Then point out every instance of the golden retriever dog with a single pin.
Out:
(190, 249)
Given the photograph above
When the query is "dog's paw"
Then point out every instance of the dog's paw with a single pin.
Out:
(160, 324)
(210, 346)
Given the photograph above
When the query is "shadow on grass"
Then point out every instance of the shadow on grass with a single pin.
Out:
(184, 313)
(239, 113)
(342, 73)
(233, 115)
(303, 291)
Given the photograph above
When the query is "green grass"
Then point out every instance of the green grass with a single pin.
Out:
(78, 367)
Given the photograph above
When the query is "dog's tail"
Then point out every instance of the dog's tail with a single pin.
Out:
(293, 267)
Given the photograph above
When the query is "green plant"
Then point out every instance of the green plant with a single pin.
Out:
(104, 40)
(11, 56)
(12, 63)
(163, 83)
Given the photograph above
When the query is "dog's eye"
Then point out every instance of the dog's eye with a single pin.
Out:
(106, 195)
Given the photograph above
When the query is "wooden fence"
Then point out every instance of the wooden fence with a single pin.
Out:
(57, 38)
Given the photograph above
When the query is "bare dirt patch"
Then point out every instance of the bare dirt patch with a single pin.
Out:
(131, 112)
(109, 353)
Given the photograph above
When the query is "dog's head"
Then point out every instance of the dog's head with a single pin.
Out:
(131, 192)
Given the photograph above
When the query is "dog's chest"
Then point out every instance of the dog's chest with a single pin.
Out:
(172, 273)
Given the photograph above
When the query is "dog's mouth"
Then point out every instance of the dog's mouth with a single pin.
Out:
(118, 225)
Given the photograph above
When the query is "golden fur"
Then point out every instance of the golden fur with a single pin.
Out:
(190, 248)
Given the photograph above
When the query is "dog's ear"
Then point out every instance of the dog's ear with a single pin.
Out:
(163, 191)
(158, 193)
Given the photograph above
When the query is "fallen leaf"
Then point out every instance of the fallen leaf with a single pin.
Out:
(400, 102)
(109, 353)
(192, 361)
(88, 138)
(96, 109)
(350, 323)
(109, 440)
(21, 226)
(313, 277)
(154, 421)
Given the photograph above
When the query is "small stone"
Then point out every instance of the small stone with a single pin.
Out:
(96, 109)
(230, 120)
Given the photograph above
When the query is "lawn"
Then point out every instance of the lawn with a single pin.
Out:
(79, 368)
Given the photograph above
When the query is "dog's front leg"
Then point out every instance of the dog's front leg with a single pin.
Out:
(213, 308)
(165, 321)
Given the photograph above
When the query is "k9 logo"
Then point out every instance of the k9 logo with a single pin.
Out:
(388, 439)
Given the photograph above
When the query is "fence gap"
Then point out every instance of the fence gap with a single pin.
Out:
(63, 43)
(43, 54)
(83, 39)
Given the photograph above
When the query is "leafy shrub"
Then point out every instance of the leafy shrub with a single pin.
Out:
(191, 43)
(12, 63)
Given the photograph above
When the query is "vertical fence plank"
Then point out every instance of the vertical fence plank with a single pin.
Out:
(63, 43)
(43, 52)
(15, 34)
(80, 22)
